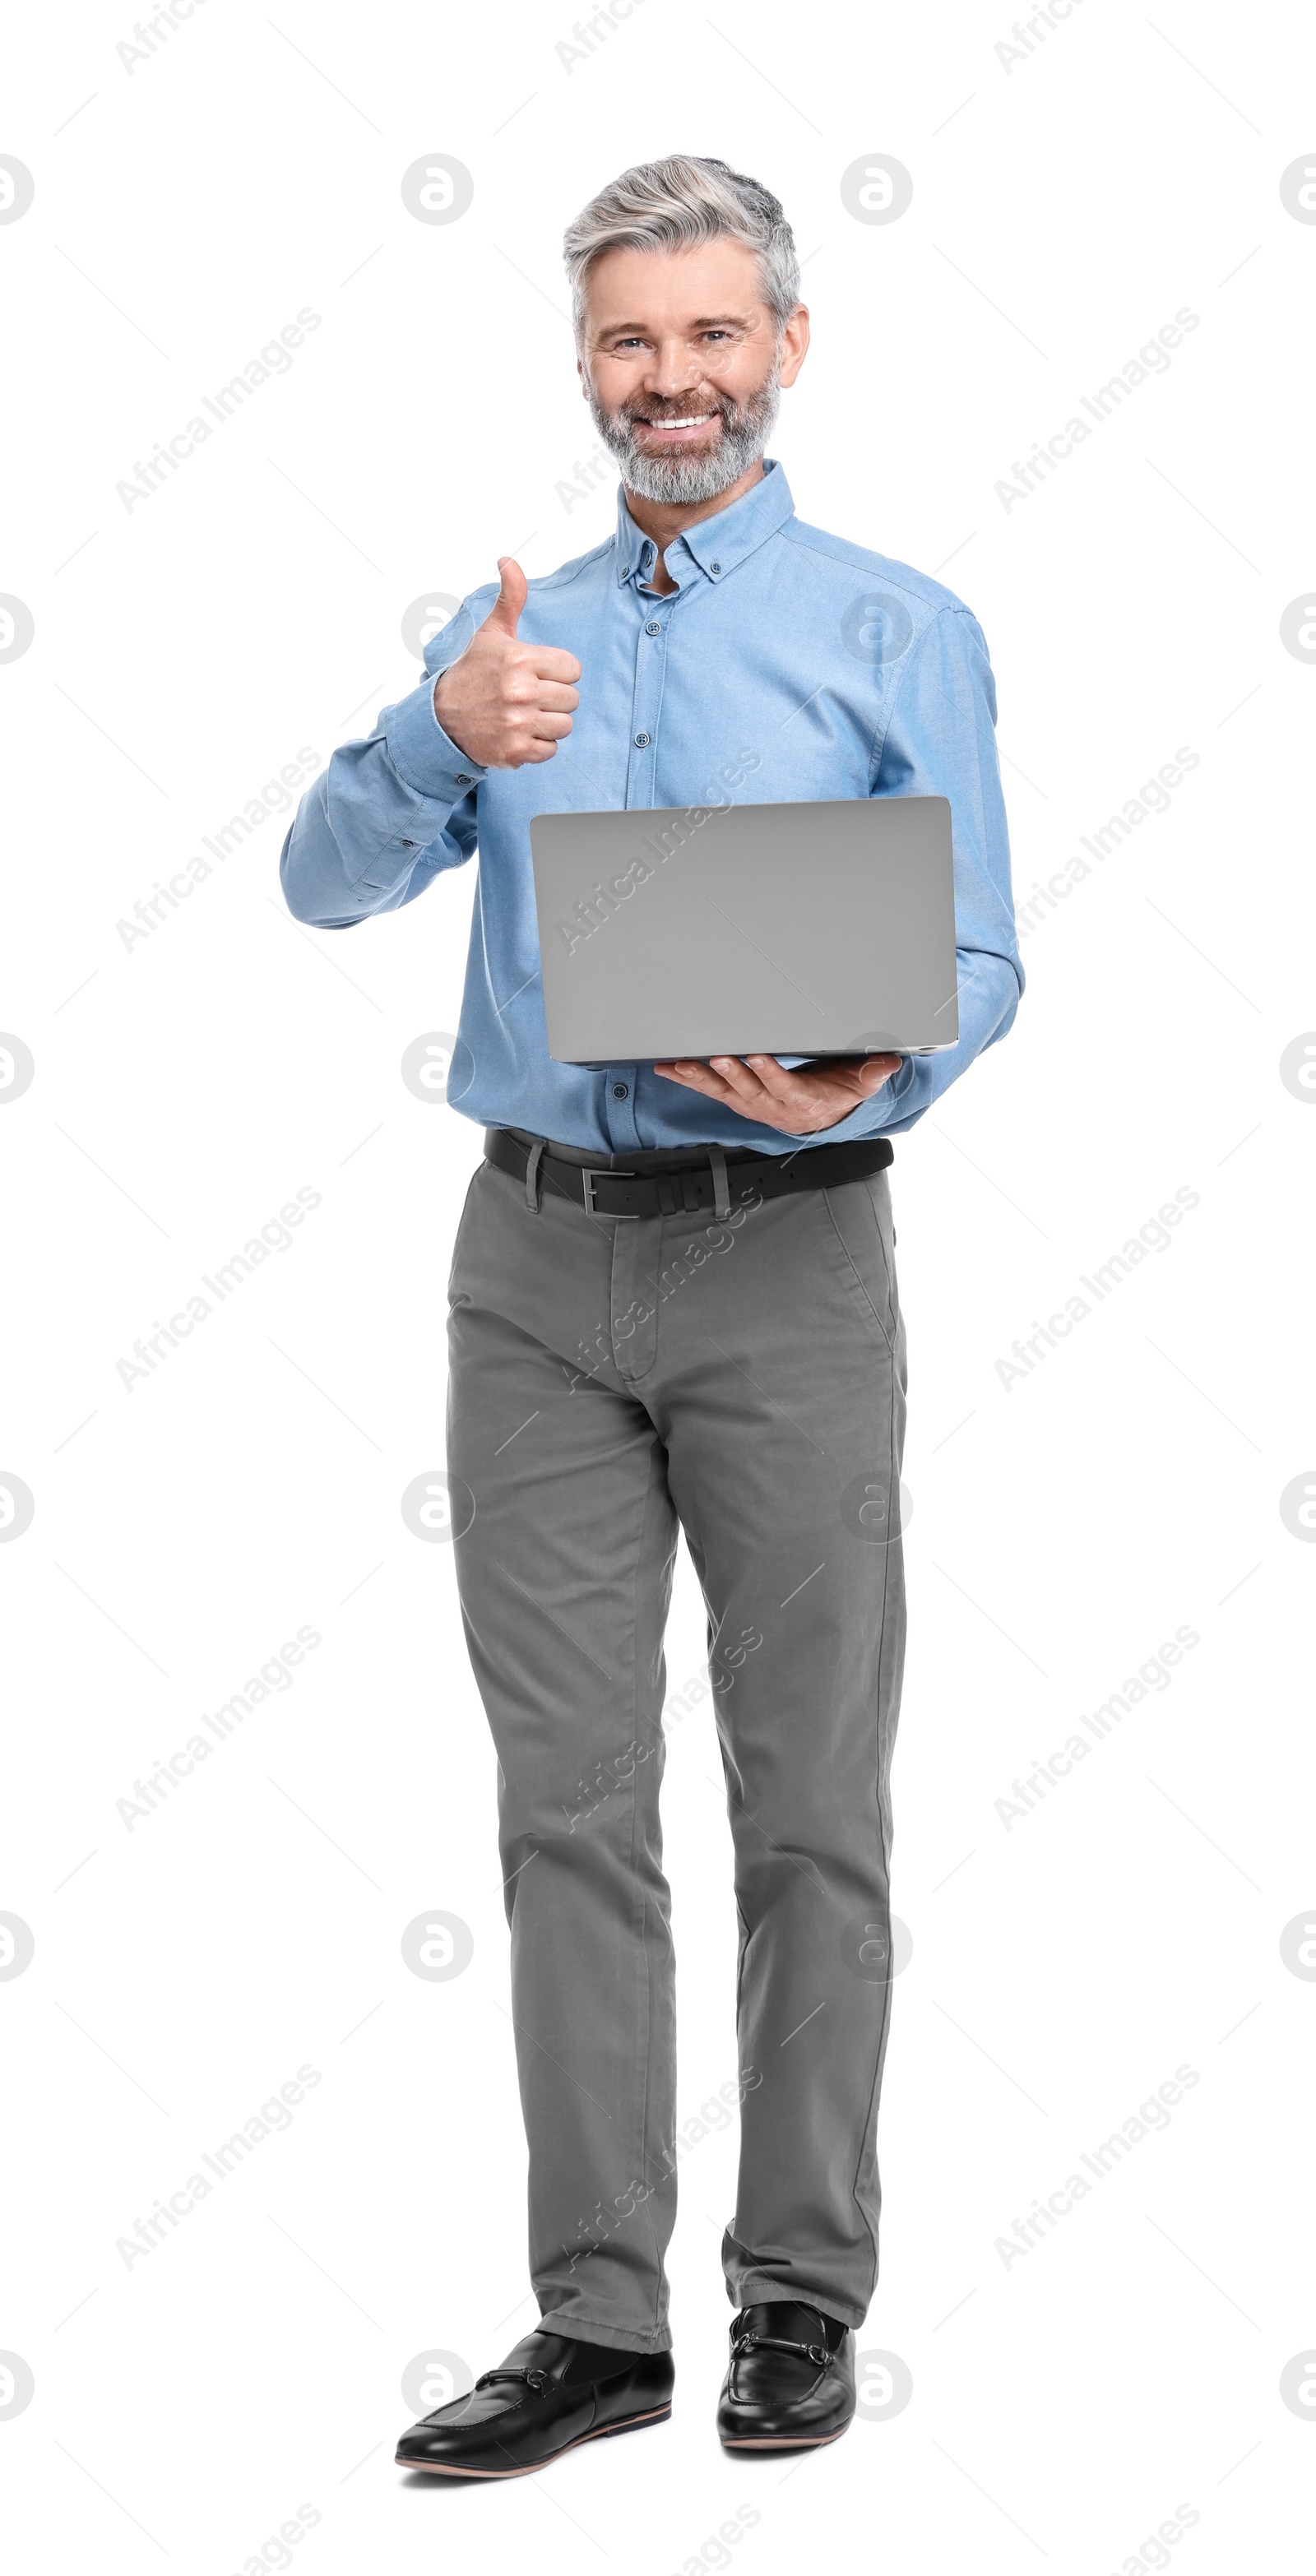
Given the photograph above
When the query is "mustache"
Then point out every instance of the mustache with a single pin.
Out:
(643, 409)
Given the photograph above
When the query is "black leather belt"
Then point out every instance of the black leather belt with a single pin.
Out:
(690, 1184)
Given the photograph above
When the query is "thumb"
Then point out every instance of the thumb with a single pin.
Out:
(511, 598)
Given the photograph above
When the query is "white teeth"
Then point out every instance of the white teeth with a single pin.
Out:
(695, 421)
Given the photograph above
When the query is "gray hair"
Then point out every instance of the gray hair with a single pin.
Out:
(672, 205)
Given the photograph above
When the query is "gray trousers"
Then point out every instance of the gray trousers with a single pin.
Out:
(611, 1379)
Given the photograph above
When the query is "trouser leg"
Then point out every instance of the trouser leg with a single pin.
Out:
(780, 1393)
(564, 1575)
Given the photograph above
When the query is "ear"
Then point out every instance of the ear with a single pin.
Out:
(794, 344)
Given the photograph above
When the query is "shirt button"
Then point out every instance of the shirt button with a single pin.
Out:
(463, 780)
(715, 567)
(625, 572)
(653, 627)
(621, 1091)
(641, 742)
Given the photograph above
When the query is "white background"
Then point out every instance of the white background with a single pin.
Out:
(1064, 208)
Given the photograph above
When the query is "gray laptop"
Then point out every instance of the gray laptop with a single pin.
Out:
(807, 929)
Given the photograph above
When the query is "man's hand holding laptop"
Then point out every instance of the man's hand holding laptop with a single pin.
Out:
(800, 1103)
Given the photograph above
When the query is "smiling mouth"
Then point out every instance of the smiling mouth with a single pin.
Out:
(681, 427)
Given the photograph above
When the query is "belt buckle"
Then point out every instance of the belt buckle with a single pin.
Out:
(588, 1179)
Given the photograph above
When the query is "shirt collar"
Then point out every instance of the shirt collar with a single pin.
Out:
(714, 546)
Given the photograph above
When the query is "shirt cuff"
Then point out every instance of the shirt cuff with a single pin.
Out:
(424, 756)
(872, 1117)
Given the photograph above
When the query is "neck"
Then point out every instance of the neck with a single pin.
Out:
(664, 520)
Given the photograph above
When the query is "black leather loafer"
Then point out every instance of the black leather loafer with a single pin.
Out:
(791, 2379)
(550, 2394)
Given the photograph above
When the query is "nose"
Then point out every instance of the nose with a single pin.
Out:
(671, 370)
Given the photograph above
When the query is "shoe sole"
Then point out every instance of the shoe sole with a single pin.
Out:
(601, 2433)
(780, 2441)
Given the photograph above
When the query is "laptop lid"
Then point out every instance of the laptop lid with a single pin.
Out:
(796, 929)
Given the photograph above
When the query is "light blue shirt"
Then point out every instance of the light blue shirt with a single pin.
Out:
(786, 665)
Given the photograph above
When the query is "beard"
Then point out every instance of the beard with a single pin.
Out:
(686, 475)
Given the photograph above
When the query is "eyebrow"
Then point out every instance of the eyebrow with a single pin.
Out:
(701, 322)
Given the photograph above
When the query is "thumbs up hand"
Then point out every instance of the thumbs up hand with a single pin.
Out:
(503, 702)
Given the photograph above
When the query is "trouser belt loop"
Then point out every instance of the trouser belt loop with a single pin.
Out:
(532, 1176)
(721, 1188)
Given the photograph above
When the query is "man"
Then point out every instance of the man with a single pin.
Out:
(673, 1302)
